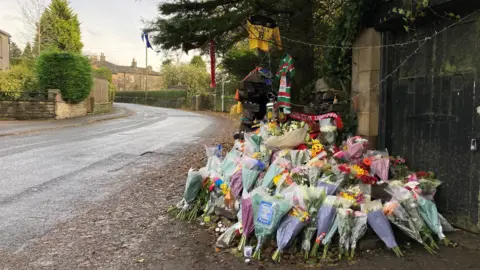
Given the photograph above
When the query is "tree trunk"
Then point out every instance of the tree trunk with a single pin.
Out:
(301, 28)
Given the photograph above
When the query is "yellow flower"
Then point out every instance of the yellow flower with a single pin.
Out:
(276, 179)
(359, 170)
(223, 187)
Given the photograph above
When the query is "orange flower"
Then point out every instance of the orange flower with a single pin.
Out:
(367, 161)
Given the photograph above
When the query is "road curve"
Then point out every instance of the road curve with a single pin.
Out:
(50, 176)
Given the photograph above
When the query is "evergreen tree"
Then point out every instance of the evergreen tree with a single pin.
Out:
(15, 54)
(28, 52)
(192, 24)
(61, 28)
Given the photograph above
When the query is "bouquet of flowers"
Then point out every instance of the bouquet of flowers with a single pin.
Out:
(345, 224)
(328, 130)
(313, 198)
(331, 182)
(268, 211)
(356, 147)
(325, 219)
(250, 171)
(429, 213)
(192, 189)
(236, 183)
(229, 164)
(247, 219)
(400, 218)
(300, 175)
(329, 236)
(358, 231)
(288, 229)
(379, 223)
(410, 205)
(299, 157)
(278, 166)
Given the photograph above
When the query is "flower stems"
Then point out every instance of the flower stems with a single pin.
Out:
(277, 256)
(242, 243)
(325, 250)
(397, 252)
(314, 251)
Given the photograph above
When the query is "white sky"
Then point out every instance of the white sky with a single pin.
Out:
(109, 26)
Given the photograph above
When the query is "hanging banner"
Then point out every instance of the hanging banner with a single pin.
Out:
(311, 117)
(213, 83)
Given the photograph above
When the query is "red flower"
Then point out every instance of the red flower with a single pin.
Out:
(367, 162)
(302, 147)
(344, 168)
(367, 179)
(422, 174)
(363, 166)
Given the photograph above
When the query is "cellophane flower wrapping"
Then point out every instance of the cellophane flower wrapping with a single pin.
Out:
(291, 225)
(325, 220)
(192, 187)
(229, 165)
(345, 224)
(226, 239)
(446, 227)
(429, 213)
(313, 197)
(331, 182)
(329, 236)
(313, 175)
(249, 177)
(268, 211)
(380, 224)
(399, 217)
(380, 167)
(358, 230)
(299, 157)
(356, 147)
(252, 144)
(428, 187)
(247, 219)
(328, 130)
(236, 183)
(275, 169)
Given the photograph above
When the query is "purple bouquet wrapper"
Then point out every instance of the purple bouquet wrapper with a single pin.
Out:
(247, 216)
(288, 230)
(236, 184)
(380, 224)
(325, 218)
(329, 188)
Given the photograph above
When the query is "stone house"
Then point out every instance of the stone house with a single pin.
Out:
(419, 100)
(131, 78)
(4, 50)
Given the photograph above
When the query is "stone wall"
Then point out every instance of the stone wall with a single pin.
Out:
(25, 110)
(102, 107)
(65, 110)
(365, 84)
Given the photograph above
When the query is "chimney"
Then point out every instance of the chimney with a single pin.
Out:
(102, 57)
(134, 63)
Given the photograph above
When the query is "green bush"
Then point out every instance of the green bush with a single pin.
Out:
(19, 79)
(102, 73)
(70, 73)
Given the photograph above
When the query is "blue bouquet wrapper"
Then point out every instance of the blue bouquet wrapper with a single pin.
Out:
(380, 224)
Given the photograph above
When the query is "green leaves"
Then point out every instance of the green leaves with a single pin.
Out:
(69, 72)
(60, 28)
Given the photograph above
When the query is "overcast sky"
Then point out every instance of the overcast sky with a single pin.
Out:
(109, 26)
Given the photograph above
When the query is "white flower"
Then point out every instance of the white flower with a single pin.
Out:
(478, 109)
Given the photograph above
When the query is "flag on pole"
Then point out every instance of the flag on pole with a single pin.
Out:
(146, 39)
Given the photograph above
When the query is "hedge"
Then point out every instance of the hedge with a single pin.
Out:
(69, 72)
(159, 94)
(166, 98)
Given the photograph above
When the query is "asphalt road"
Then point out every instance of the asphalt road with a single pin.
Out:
(50, 176)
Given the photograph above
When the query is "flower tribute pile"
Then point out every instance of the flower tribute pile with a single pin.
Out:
(292, 184)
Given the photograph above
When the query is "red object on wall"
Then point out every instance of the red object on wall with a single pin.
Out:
(213, 83)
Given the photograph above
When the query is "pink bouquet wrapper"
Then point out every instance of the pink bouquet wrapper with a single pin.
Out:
(380, 167)
(355, 150)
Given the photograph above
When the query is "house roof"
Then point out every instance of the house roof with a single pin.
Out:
(125, 69)
(5, 33)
